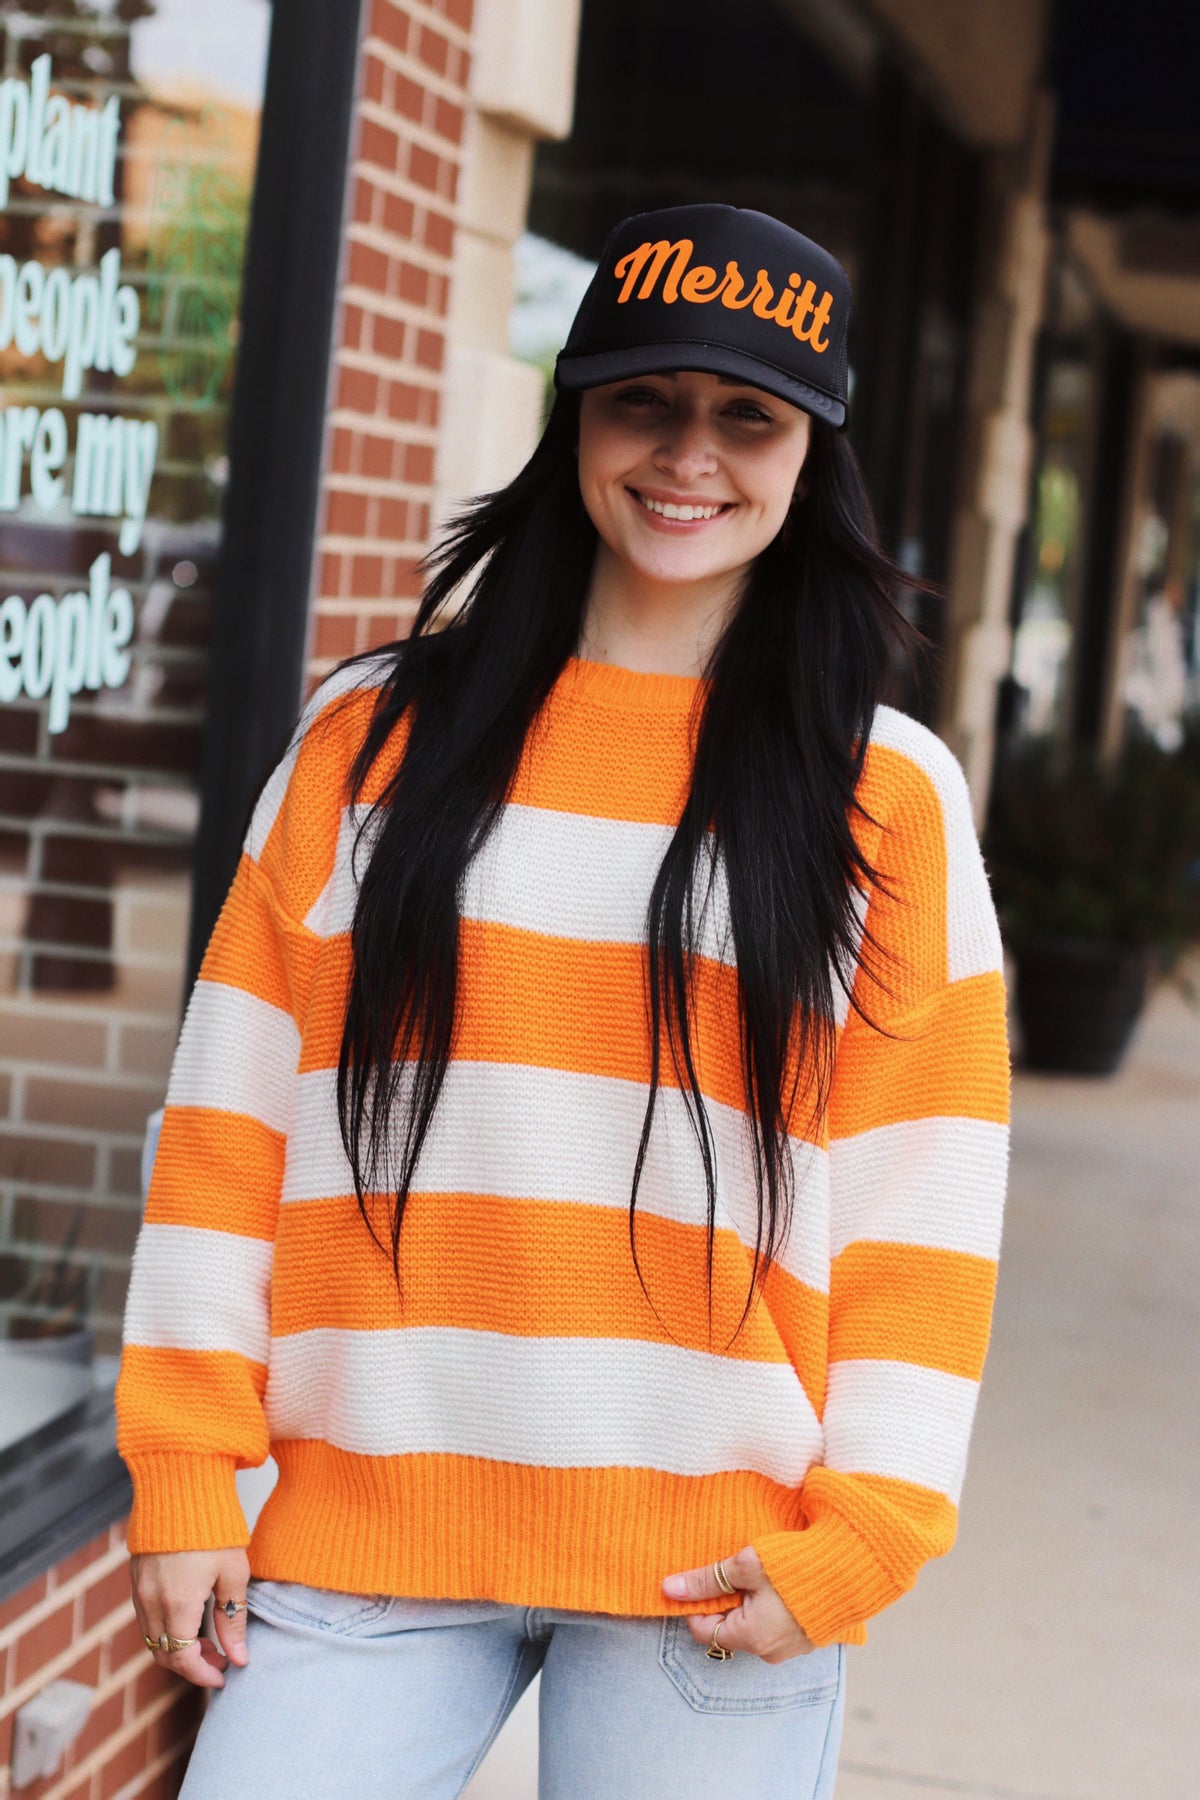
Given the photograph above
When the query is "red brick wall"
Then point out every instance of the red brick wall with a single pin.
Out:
(385, 392)
(77, 1624)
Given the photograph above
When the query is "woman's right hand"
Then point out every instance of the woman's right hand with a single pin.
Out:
(169, 1595)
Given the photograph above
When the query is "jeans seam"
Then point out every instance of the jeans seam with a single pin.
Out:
(821, 1770)
(498, 1718)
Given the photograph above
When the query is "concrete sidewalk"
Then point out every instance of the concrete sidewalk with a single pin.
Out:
(1056, 1654)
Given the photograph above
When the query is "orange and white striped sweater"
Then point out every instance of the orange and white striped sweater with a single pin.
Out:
(526, 1426)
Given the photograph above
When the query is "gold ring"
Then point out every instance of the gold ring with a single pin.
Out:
(167, 1644)
(231, 1608)
(722, 1580)
(717, 1651)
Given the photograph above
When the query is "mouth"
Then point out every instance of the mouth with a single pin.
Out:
(681, 512)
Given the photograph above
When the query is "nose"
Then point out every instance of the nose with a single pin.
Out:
(687, 448)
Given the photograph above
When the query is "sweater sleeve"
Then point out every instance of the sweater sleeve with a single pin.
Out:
(197, 1325)
(918, 1120)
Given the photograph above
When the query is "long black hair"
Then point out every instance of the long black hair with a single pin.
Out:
(779, 747)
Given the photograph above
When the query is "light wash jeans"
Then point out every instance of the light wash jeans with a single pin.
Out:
(383, 1699)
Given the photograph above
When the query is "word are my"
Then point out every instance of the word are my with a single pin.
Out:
(60, 647)
(114, 465)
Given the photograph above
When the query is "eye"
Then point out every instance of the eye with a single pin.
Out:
(751, 412)
(638, 396)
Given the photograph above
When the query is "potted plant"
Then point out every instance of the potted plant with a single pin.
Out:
(1096, 874)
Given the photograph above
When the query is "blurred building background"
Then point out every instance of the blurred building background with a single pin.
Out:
(355, 232)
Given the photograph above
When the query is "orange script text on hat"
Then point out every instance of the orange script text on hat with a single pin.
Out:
(798, 311)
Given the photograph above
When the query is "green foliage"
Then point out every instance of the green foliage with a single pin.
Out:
(1077, 849)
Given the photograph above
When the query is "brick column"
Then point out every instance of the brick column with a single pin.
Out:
(390, 337)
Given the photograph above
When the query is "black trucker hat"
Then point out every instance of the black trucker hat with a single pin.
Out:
(717, 288)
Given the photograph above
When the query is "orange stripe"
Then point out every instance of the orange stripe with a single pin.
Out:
(551, 1003)
(880, 1507)
(253, 947)
(524, 1268)
(907, 1303)
(801, 1317)
(951, 1060)
(208, 1400)
(216, 1170)
(299, 852)
(908, 919)
(560, 769)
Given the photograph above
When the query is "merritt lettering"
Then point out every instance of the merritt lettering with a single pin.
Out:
(795, 306)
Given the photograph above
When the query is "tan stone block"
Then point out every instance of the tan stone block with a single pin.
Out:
(498, 167)
(523, 66)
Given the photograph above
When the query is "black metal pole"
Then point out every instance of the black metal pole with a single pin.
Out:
(276, 429)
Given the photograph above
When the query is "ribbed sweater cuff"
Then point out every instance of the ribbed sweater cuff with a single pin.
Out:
(185, 1503)
(828, 1579)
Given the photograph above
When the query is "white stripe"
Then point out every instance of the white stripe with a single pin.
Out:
(236, 1053)
(200, 1290)
(843, 986)
(897, 1419)
(973, 935)
(938, 1182)
(550, 1402)
(563, 875)
(366, 674)
(526, 1133)
(332, 912)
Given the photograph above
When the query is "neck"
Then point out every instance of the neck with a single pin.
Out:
(656, 628)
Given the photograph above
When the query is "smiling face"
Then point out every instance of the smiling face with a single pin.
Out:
(687, 476)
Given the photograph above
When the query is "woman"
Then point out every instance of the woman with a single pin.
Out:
(583, 1159)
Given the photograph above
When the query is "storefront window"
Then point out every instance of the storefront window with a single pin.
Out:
(128, 139)
(1161, 661)
(1042, 647)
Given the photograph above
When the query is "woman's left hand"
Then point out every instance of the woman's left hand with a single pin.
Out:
(761, 1625)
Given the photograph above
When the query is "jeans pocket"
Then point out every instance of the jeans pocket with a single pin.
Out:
(320, 1609)
(746, 1684)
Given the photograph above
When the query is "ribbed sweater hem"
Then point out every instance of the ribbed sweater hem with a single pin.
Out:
(459, 1527)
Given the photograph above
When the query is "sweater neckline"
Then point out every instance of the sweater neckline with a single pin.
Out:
(630, 690)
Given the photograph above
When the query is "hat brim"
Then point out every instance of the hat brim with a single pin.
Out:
(601, 366)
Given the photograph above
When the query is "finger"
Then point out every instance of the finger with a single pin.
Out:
(735, 1634)
(770, 1634)
(744, 1570)
(231, 1632)
(201, 1663)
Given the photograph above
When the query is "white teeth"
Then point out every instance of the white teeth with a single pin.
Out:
(669, 510)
